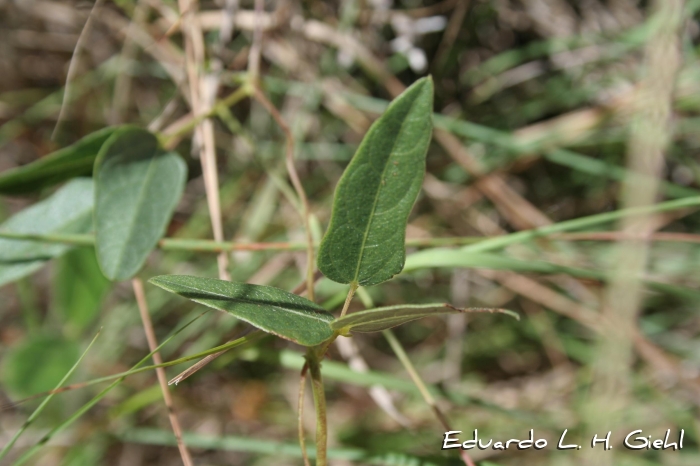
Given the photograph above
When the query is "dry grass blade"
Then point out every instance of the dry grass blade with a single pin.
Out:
(204, 142)
(73, 66)
(298, 188)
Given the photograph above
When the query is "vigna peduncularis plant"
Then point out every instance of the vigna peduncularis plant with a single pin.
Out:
(363, 246)
(129, 202)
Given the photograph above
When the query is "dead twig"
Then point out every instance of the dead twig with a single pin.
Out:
(137, 286)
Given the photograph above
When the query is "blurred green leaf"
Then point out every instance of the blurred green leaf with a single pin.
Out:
(382, 318)
(137, 187)
(69, 162)
(45, 402)
(68, 210)
(79, 288)
(456, 258)
(364, 243)
(38, 363)
(267, 308)
(150, 436)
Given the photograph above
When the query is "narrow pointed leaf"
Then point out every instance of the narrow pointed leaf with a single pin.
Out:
(137, 187)
(68, 210)
(382, 318)
(265, 307)
(69, 162)
(364, 243)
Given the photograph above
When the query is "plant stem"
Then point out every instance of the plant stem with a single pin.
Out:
(137, 285)
(296, 182)
(351, 293)
(300, 414)
(490, 242)
(477, 243)
(169, 140)
(313, 359)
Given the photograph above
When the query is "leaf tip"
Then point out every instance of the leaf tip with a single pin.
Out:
(158, 280)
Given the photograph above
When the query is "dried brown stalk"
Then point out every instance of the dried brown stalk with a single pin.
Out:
(137, 286)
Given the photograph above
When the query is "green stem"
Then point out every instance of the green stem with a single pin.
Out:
(412, 372)
(300, 414)
(475, 244)
(351, 293)
(203, 245)
(251, 337)
(168, 140)
(398, 349)
(313, 359)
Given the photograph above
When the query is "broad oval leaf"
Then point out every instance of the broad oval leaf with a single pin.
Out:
(265, 307)
(69, 162)
(68, 210)
(137, 187)
(382, 318)
(365, 240)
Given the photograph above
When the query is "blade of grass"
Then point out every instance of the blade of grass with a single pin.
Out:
(567, 225)
(149, 436)
(6, 449)
(415, 377)
(597, 167)
(425, 393)
(86, 407)
(253, 336)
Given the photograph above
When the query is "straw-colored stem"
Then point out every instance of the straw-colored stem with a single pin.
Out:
(296, 182)
(137, 285)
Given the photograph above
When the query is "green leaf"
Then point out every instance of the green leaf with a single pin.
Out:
(37, 364)
(69, 162)
(8, 446)
(382, 318)
(364, 243)
(137, 187)
(79, 288)
(68, 210)
(267, 308)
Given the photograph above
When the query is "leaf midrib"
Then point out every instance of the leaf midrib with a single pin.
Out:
(132, 221)
(379, 188)
(247, 301)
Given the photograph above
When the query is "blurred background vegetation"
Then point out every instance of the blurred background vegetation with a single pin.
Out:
(543, 109)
